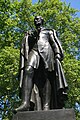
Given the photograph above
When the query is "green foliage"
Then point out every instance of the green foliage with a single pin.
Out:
(16, 18)
(71, 67)
(9, 62)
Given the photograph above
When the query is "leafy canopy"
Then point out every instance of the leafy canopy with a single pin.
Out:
(16, 18)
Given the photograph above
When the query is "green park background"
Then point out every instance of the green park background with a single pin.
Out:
(16, 17)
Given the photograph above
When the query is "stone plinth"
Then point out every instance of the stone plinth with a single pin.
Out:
(59, 114)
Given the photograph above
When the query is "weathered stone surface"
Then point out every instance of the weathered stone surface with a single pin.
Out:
(59, 114)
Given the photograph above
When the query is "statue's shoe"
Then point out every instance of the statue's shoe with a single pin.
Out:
(46, 107)
(22, 107)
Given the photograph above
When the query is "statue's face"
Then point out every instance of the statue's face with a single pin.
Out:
(38, 21)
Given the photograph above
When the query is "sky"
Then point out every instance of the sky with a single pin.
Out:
(73, 3)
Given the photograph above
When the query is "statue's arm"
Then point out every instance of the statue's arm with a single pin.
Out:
(23, 57)
(56, 45)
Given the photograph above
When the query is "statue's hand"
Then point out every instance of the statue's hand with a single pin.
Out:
(58, 56)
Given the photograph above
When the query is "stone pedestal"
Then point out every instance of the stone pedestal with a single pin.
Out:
(59, 114)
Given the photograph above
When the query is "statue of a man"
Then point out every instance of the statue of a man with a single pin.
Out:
(41, 51)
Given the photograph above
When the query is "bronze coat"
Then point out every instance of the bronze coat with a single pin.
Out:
(47, 46)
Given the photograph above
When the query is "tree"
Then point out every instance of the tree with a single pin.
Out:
(16, 18)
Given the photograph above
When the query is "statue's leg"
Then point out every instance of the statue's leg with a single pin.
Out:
(47, 95)
(26, 89)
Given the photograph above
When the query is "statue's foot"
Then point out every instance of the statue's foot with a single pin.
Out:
(46, 107)
(23, 107)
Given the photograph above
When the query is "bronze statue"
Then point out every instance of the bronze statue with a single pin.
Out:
(40, 66)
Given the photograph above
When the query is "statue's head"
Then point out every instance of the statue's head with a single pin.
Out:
(38, 21)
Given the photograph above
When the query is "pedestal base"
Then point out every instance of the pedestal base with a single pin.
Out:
(59, 114)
